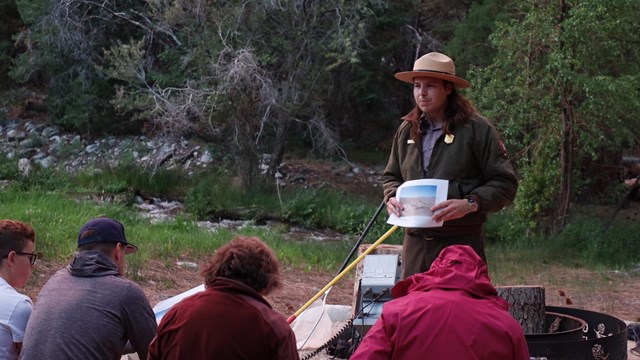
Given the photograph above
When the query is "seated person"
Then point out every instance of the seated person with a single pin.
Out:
(88, 310)
(451, 311)
(17, 244)
(230, 319)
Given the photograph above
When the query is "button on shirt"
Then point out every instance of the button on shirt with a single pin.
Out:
(433, 131)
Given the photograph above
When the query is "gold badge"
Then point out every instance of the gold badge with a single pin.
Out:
(448, 138)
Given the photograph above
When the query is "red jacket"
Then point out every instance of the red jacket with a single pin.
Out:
(227, 321)
(449, 312)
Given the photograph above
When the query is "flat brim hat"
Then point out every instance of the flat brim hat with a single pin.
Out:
(434, 65)
(105, 230)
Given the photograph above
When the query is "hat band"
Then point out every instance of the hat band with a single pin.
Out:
(436, 71)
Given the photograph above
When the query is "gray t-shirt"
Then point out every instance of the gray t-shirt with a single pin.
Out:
(88, 311)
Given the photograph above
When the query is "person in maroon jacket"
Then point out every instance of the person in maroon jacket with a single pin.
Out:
(449, 312)
(230, 319)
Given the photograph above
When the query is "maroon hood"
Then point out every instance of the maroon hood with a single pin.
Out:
(458, 267)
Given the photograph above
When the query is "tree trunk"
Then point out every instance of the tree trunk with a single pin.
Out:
(566, 152)
(527, 305)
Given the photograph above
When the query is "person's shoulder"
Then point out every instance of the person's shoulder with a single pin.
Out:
(479, 120)
(405, 125)
(11, 296)
(129, 283)
(127, 287)
(23, 307)
(404, 129)
(62, 272)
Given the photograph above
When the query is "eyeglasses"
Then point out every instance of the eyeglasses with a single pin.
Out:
(33, 257)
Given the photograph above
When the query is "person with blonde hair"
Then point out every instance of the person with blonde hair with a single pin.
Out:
(17, 245)
(231, 319)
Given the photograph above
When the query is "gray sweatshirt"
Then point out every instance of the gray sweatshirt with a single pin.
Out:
(88, 311)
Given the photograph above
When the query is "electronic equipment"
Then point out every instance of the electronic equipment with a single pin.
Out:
(380, 273)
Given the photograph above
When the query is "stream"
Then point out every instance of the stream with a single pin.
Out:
(158, 210)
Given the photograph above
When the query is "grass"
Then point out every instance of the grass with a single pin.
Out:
(57, 204)
(57, 217)
(583, 259)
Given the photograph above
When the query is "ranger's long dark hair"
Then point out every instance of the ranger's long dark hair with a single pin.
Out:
(457, 112)
(458, 109)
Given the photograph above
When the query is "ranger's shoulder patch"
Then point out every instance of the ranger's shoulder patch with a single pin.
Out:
(503, 149)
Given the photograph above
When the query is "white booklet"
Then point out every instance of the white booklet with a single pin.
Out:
(417, 197)
(163, 306)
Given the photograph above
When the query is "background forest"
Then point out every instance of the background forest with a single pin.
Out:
(560, 79)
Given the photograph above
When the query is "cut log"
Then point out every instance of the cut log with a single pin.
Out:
(527, 305)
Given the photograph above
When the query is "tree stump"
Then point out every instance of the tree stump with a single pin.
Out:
(527, 305)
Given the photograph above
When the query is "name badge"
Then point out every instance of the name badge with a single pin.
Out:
(410, 141)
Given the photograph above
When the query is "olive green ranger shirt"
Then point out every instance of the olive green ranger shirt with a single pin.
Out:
(473, 159)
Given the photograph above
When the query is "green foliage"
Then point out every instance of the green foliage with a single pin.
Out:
(221, 70)
(85, 105)
(594, 246)
(42, 179)
(33, 10)
(212, 192)
(584, 242)
(471, 46)
(10, 25)
(564, 109)
(70, 39)
(56, 210)
(321, 208)
(8, 168)
(69, 149)
(505, 227)
(226, 69)
(56, 219)
(215, 193)
(129, 177)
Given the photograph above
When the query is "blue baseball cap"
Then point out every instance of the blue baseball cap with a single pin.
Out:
(105, 229)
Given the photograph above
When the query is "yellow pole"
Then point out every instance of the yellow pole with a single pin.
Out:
(339, 276)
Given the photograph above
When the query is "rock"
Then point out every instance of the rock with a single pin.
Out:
(50, 131)
(24, 166)
(15, 135)
(46, 162)
(50, 147)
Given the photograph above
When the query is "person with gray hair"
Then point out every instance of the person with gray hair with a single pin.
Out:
(88, 310)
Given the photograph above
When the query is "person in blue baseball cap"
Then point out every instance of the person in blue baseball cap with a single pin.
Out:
(106, 234)
(88, 310)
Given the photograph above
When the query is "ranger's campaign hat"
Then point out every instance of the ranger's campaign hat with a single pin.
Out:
(434, 65)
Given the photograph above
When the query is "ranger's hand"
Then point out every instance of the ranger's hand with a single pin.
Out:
(451, 209)
(394, 207)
